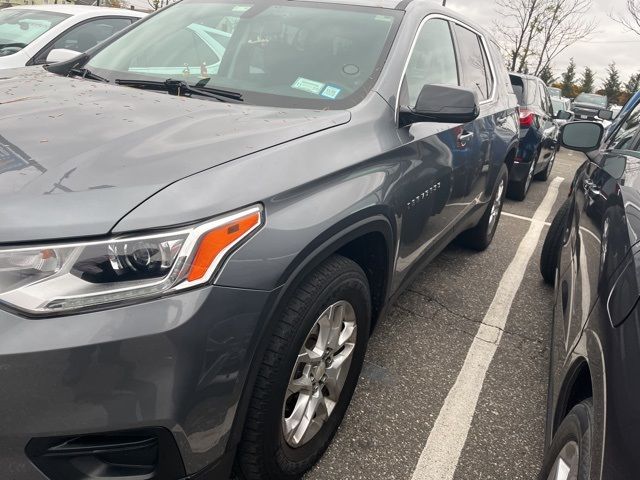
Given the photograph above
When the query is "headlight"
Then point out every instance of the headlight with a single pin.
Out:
(58, 278)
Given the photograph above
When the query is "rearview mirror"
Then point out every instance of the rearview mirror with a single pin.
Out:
(61, 55)
(563, 115)
(582, 136)
(605, 114)
(442, 103)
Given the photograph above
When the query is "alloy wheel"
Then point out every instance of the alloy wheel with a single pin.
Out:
(319, 374)
(567, 464)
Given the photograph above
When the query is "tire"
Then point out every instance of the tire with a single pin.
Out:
(552, 247)
(546, 173)
(480, 237)
(574, 436)
(518, 190)
(266, 451)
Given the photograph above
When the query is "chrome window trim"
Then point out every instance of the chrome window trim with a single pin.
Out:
(483, 41)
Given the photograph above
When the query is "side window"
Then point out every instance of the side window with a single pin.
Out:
(473, 60)
(487, 68)
(624, 137)
(533, 96)
(89, 34)
(545, 101)
(433, 60)
(550, 109)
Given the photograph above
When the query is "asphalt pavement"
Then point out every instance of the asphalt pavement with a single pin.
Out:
(448, 391)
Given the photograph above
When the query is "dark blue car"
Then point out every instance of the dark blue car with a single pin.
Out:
(538, 135)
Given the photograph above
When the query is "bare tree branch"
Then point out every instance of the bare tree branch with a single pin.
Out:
(535, 32)
(632, 19)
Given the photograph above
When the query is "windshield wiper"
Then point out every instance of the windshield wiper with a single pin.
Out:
(86, 73)
(182, 88)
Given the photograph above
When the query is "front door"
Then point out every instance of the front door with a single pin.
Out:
(445, 164)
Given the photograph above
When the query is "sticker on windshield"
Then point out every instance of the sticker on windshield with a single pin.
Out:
(331, 92)
(307, 85)
(241, 8)
(383, 18)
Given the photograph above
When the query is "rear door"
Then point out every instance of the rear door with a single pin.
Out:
(477, 75)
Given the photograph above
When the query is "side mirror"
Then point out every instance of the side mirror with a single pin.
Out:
(442, 103)
(563, 115)
(605, 114)
(61, 55)
(582, 136)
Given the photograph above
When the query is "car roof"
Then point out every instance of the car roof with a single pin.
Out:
(80, 10)
(423, 7)
(390, 4)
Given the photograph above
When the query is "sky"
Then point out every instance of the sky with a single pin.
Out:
(610, 42)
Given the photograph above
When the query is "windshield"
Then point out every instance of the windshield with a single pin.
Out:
(285, 54)
(558, 105)
(592, 98)
(554, 92)
(18, 28)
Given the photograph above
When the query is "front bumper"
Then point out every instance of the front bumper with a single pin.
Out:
(178, 363)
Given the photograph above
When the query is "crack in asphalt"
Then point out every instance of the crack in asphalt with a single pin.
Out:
(464, 317)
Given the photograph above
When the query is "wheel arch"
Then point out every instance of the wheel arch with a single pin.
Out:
(347, 238)
(510, 157)
(577, 386)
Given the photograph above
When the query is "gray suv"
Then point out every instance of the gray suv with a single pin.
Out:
(203, 219)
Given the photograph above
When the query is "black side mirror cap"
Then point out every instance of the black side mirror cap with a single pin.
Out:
(563, 115)
(443, 104)
(582, 136)
(605, 114)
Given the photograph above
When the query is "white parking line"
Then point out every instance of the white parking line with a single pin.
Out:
(441, 454)
(520, 217)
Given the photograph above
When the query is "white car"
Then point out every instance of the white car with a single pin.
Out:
(30, 32)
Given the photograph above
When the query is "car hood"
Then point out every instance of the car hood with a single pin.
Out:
(592, 106)
(77, 155)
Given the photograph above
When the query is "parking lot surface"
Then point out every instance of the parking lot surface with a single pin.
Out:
(449, 390)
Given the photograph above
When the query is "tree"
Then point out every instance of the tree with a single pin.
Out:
(633, 85)
(588, 80)
(631, 19)
(535, 32)
(612, 85)
(568, 79)
(546, 75)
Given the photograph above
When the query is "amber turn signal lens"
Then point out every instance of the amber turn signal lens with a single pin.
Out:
(214, 243)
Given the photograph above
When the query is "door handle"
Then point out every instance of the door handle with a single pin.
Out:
(463, 138)
(502, 120)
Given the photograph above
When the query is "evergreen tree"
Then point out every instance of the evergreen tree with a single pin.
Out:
(546, 75)
(568, 79)
(612, 85)
(633, 85)
(587, 83)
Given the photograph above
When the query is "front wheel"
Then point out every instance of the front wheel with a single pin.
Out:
(569, 457)
(308, 374)
(481, 236)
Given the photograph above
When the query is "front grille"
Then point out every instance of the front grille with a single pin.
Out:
(585, 112)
